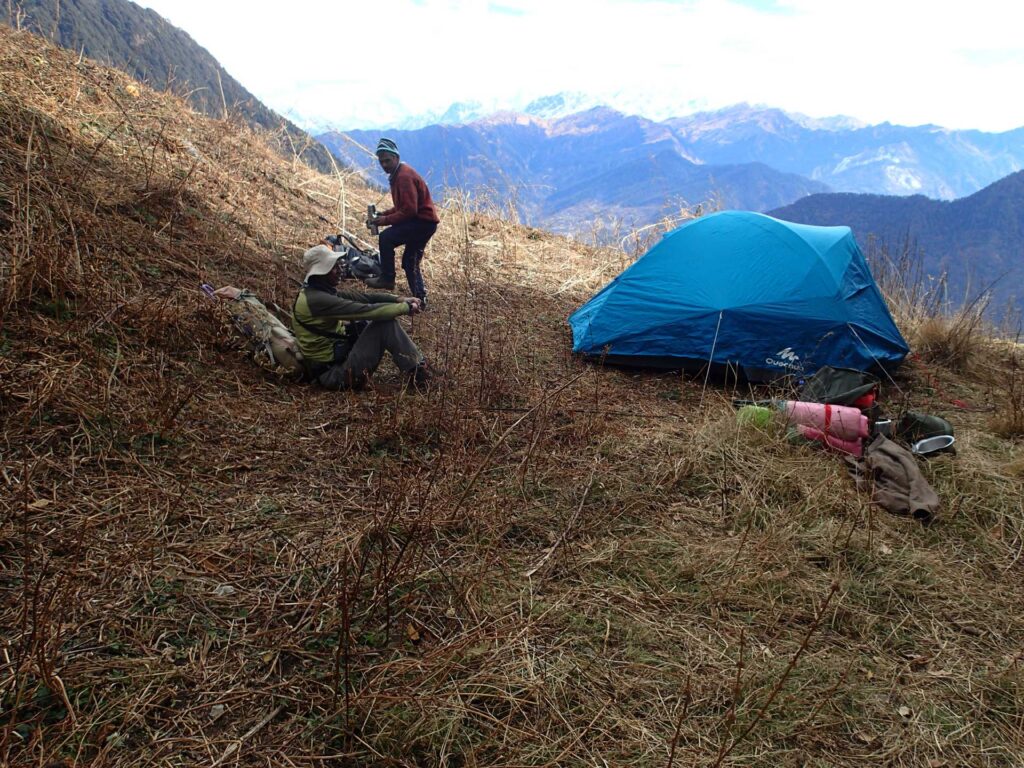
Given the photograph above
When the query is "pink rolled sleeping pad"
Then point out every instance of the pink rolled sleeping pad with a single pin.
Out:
(853, 447)
(839, 421)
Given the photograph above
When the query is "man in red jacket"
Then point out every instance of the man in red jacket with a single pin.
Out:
(411, 222)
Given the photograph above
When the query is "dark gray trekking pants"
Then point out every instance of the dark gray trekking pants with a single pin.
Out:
(377, 338)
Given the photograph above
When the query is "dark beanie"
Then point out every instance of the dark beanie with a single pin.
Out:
(387, 145)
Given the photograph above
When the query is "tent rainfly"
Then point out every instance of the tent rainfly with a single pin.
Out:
(744, 292)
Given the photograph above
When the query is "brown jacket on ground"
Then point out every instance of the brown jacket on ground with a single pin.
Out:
(890, 471)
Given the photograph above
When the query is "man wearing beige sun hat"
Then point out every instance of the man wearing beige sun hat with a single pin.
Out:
(340, 357)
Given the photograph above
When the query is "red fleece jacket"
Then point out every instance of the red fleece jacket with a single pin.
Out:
(411, 196)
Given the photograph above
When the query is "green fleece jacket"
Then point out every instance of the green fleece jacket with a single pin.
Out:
(326, 310)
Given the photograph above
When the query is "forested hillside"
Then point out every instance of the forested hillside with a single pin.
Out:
(139, 41)
(977, 241)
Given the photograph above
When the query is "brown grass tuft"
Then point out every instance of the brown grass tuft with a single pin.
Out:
(939, 329)
(1008, 419)
(956, 342)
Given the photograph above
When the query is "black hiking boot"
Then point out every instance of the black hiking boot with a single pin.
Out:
(381, 283)
(420, 377)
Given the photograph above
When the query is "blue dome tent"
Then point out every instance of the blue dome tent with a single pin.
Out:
(759, 296)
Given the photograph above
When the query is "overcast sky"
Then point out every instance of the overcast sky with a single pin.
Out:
(959, 64)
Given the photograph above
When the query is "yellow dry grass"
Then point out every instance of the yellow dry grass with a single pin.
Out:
(541, 563)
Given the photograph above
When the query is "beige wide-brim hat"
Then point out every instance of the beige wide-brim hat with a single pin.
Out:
(319, 260)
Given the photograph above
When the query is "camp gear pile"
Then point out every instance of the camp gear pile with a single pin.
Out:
(882, 466)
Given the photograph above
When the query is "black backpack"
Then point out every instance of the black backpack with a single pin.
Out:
(837, 386)
(359, 263)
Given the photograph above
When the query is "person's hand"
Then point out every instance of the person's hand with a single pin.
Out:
(414, 305)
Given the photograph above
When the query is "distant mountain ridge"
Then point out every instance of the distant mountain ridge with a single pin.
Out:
(142, 43)
(549, 107)
(879, 159)
(977, 240)
(841, 152)
(566, 172)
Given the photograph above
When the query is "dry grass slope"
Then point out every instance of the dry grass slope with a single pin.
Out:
(541, 563)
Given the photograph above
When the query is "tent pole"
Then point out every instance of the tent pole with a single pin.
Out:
(711, 357)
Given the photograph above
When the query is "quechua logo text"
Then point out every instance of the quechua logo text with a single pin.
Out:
(785, 358)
